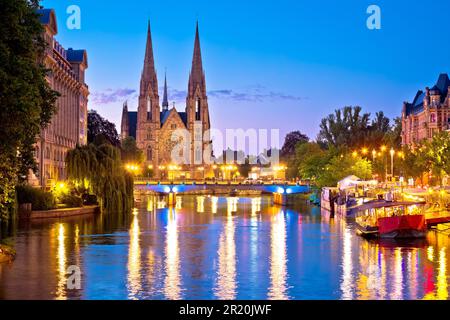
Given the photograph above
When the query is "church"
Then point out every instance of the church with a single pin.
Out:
(154, 125)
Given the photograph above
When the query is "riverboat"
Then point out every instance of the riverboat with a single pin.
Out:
(393, 220)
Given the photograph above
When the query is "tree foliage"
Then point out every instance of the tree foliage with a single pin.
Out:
(291, 141)
(100, 168)
(99, 126)
(130, 151)
(26, 99)
(341, 166)
(350, 127)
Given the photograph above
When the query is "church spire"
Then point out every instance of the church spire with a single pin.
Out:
(165, 103)
(149, 80)
(197, 76)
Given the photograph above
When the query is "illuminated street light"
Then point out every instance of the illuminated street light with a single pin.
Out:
(392, 162)
(365, 151)
(354, 154)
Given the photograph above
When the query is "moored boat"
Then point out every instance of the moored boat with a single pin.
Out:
(392, 220)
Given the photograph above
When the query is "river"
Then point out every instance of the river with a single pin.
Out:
(219, 248)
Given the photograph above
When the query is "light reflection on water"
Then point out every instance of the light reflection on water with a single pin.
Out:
(211, 247)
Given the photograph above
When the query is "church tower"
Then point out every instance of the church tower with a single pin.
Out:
(198, 121)
(148, 117)
(165, 104)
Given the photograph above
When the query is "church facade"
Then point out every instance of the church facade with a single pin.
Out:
(154, 126)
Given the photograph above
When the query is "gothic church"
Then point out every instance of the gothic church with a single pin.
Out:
(152, 126)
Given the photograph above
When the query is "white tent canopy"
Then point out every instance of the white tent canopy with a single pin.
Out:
(354, 181)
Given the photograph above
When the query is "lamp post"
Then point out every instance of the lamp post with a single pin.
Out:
(392, 163)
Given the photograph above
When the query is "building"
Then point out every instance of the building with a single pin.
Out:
(153, 124)
(69, 125)
(428, 114)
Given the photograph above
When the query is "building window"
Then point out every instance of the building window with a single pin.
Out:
(198, 155)
(173, 126)
(197, 110)
(47, 153)
(149, 109)
(433, 118)
(37, 155)
(149, 154)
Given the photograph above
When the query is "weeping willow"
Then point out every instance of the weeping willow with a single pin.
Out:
(99, 167)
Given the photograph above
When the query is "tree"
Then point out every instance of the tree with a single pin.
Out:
(291, 141)
(26, 98)
(130, 151)
(97, 125)
(310, 160)
(101, 169)
(346, 127)
(437, 153)
(414, 164)
(341, 166)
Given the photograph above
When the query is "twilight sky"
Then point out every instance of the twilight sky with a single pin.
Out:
(269, 64)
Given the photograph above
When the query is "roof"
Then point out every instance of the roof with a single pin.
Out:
(165, 115)
(47, 17)
(44, 15)
(441, 85)
(132, 123)
(385, 204)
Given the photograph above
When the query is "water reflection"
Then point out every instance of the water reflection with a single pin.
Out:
(134, 259)
(278, 260)
(226, 274)
(172, 282)
(62, 259)
(347, 263)
(236, 248)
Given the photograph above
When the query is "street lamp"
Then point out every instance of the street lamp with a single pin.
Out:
(392, 163)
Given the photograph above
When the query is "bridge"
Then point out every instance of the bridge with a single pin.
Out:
(281, 192)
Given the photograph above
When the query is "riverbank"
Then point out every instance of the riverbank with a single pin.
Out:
(60, 213)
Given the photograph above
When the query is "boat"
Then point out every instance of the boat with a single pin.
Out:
(394, 220)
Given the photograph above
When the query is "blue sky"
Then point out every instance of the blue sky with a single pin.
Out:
(269, 64)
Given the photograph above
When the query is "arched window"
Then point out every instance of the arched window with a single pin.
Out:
(149, 154)
(198, 155)
(433, 118)
(197, 110)
(149, 109)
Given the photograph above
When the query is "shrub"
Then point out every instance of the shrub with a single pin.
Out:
(39, 199)
(71, 201)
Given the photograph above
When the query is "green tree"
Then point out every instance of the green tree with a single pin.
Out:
(414, 164)
(101, 169)
(437, 153)
(288, 152)
(130, 151)
(97, 125)
(342, 166)
(310, 160)
(27, 101)
(346, 127)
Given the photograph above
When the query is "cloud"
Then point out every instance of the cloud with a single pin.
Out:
(113, 95)
(255, 93)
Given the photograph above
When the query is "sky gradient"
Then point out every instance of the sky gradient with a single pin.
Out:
(269, 64)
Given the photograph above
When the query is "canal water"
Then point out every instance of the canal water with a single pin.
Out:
(220, 248)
